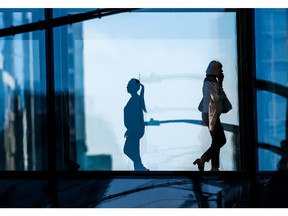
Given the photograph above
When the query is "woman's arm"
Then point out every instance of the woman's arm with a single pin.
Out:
(215, 91)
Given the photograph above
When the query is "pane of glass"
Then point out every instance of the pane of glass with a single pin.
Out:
(81, 193)
(272, 81)
(15, 193)
(167, 192)
(19, 16)
(169, 52)
(69, 90)
(22, 95)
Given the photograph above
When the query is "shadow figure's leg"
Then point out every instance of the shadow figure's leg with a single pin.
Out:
(132, 150)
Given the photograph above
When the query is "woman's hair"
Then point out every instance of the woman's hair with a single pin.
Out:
(136, 85)
(213, 65)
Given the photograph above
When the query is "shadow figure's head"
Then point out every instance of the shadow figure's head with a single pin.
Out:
(133, 86)
(214, 68)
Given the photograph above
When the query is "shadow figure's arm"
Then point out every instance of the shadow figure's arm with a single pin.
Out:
(227, 127)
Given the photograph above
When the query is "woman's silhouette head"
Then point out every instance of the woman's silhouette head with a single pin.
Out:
(214, 68)
(133, 87)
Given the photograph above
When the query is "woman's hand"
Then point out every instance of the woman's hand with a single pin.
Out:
(221, 78)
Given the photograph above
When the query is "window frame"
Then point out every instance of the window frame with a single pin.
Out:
(247, 119)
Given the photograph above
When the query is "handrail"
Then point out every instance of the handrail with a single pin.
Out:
(59, 21)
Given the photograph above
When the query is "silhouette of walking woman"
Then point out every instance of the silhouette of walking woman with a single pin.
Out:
(134, 123)
(211, 107)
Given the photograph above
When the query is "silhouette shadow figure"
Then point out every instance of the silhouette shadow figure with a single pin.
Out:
(134, 123)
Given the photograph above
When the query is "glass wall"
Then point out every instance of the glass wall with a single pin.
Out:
(22, 94)
(169, 53)
(176, 192)
(94, 60)
(271, 31)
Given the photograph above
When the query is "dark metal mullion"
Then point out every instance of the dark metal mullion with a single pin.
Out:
(247, 101)
(247, 98)
(51, 133)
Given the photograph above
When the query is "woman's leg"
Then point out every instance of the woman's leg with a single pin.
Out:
(207, 155)
(218, 140)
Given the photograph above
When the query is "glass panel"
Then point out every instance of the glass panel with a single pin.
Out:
(81, 193)
(15, 193)
(19, 16)
(22, 95)
(164, 192)
(169, 52)
(69, 90)
(271, 70)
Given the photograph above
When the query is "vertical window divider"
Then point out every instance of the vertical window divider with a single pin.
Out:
(247, 97)
(247, 103)
(51, 133)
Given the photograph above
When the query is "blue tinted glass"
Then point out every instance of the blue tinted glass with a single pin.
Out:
(20, 16)
(21, 193)
(272, 80)
(22, 95)
(164, 192)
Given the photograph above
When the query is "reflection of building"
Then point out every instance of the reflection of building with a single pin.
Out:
(76, 91)
(23, 123)
(12, 142)
(72, 143)
(75, 99)
(8, 119)
(23, 144)
(271, 51)
(75, 85)
(69, 61)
